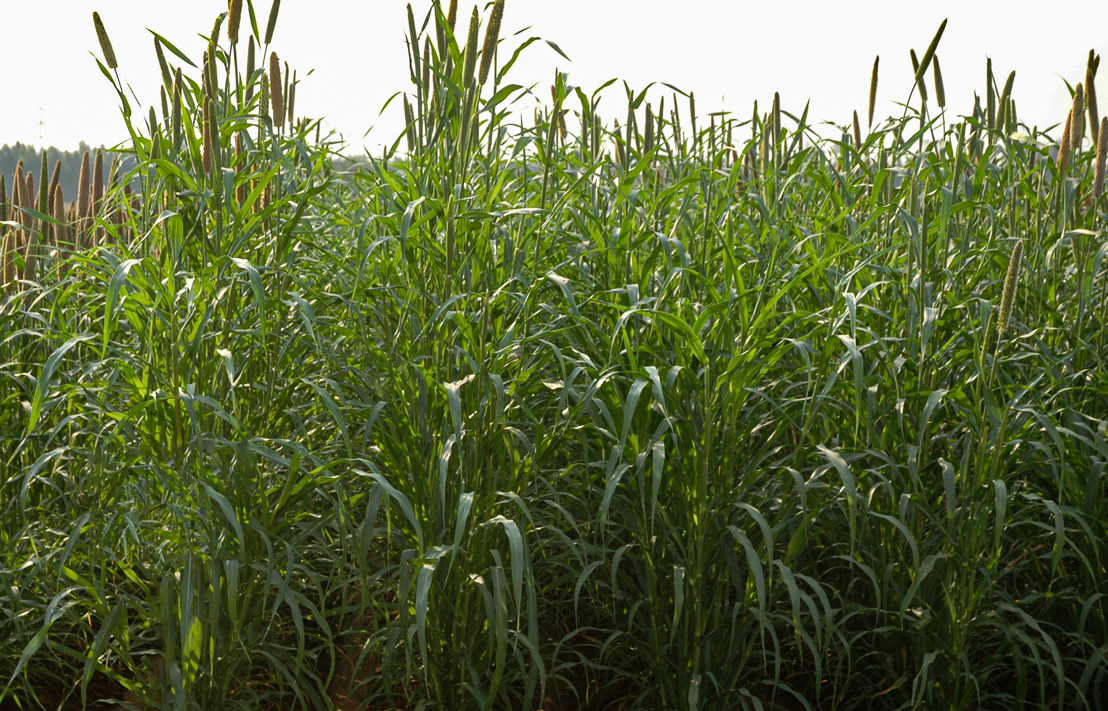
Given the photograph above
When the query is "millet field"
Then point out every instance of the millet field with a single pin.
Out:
(605, 405)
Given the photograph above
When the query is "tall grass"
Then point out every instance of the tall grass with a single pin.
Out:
(671, 412)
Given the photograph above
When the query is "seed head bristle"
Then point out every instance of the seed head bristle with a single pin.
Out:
(97, 181)
(452, 14)
(105, 43)
(857, 133)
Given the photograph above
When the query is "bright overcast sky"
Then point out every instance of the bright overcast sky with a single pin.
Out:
(729, 53)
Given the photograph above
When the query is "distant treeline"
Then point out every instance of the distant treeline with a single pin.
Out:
(70, 162)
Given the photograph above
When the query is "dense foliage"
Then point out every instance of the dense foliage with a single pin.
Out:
(693, 413)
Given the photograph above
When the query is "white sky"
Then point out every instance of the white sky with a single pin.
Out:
(729, 53)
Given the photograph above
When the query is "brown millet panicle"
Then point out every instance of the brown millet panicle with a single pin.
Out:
(97, 181)
(28, 196)
(277, 100)
(19, 179)
(250, 67)
(43, 187)
(1077, 125)
(55, 180)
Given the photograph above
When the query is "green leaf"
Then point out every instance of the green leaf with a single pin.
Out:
(42, 387)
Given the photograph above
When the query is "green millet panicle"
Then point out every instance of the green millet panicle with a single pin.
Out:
(873, 89)
(1064, 144)
(1101, 156)
(105, 43)
(1008, 297)
(471, 49)
(276, 8)
(492, 33)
